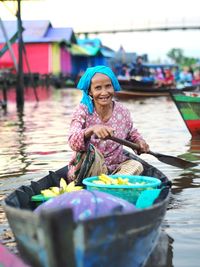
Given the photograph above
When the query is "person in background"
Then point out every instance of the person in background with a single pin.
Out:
(159, 77)
(186, 76)
(124, 73)
(96, 118)
(176, 73)
(196, 77)
(169, 80)
(138, 68)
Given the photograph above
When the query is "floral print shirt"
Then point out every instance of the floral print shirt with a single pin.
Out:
(120, 121)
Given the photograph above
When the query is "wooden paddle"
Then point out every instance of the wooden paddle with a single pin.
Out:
(174, 161)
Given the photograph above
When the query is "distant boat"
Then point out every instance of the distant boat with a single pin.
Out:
(188, 104)
(133, 88)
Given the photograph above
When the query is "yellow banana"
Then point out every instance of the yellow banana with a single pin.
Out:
(72, 187)
(106, 179)
(63, 184)
(55, 190)
(48, 193)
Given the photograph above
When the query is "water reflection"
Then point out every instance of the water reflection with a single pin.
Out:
(23, 157)
(193, 150)
(162, 255)
(34, 142)
(195, 145)
(189, 178)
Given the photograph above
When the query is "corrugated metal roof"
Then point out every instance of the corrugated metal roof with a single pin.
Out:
(59, 34)
(39, 31)
(35, 29)
(32, 29)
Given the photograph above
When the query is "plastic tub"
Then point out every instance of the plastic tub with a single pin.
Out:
(127, 192)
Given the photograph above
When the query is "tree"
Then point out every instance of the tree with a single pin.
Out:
(177, 55)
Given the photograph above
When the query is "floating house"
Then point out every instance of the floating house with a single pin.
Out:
(49, 50)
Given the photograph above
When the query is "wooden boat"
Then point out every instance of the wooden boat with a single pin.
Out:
(53, 239)
(188, 104)
(130, 84)
(134, 88)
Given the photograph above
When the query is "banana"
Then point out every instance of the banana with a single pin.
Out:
(120, 181)
(71, 187)
(105, 179)
(48, 193)
(55, 191)
(63, 184)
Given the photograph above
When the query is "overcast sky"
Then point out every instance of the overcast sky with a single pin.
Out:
(111, 14)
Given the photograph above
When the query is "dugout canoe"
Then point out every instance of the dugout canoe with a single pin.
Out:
(53, 239)
(188, 105)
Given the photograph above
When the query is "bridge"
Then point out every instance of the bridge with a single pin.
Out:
(165, 25)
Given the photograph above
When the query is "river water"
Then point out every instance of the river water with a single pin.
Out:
(35, 142)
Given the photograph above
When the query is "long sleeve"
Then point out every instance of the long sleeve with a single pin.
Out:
(76, 138)
(133, 134)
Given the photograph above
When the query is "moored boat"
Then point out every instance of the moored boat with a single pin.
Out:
(188, 104)
(130, 84)
(54, 239)
(134, 88)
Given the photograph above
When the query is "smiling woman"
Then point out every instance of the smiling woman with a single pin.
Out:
(95, 119)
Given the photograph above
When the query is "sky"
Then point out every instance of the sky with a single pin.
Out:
(91, 15)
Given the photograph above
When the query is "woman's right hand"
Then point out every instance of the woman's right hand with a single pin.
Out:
(100, 131)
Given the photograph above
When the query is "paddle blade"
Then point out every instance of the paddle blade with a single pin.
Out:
(174, 161)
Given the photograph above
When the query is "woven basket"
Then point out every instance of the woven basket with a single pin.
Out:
(127, 192)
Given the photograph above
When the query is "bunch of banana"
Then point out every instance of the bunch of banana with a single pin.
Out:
(64, 187)
(105, 179)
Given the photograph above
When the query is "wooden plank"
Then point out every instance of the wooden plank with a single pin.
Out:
(58, 228)
(26, 227)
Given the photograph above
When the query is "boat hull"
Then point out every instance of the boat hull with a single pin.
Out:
(54, 239)
(188, 105)
(132, 88)
(193, 126)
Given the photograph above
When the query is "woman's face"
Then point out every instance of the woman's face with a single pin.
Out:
(101, 89)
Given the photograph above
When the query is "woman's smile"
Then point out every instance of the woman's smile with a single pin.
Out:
(101, 89)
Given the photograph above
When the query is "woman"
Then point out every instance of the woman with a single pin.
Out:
(96, 118)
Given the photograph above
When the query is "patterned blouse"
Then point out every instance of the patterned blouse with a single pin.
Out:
(120, 121)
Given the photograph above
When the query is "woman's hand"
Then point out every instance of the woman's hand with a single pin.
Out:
(100, 131)
(143, 146)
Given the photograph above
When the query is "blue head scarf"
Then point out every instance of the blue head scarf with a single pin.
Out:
(85, 81)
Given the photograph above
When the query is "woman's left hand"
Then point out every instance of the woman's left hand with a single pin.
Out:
(143, 146)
